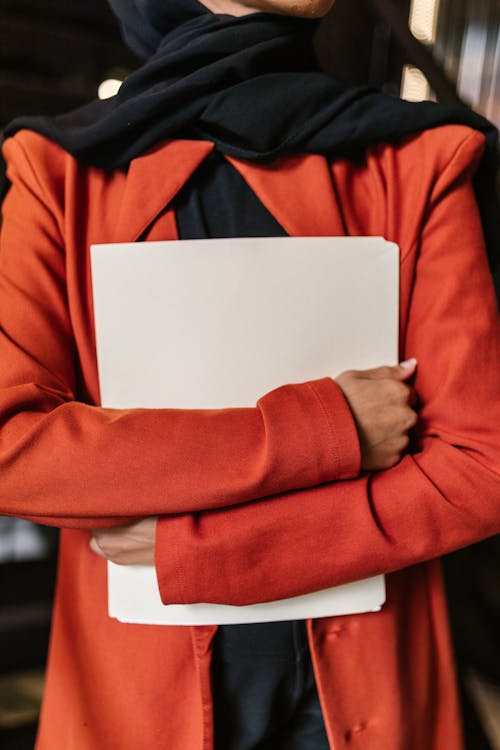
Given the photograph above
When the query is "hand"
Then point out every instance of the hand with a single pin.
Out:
(382, 404)
(127, 545)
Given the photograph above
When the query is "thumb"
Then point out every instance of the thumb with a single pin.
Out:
(94, 546)
(406, 369)
(402, 372)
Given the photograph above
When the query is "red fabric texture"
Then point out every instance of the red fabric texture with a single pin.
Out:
(255, 503)
(60, 442)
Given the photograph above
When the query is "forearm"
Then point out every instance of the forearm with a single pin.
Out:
(306, 541)
(76, 465)
(66, 461)
(445, 495)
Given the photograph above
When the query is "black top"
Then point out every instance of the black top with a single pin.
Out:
(217, 202)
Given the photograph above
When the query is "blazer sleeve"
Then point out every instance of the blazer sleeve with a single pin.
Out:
(443, 495)
(74, 464)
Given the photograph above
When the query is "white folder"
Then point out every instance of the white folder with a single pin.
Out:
(219, 323)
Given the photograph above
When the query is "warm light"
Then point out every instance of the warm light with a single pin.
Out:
(423, 20)
(108, 88)
(423, 25)
(414, 86)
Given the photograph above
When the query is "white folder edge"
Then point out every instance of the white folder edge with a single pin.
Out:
(367, 595)
(352, 598)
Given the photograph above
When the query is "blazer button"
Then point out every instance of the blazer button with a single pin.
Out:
(336, 631)
(351, 734)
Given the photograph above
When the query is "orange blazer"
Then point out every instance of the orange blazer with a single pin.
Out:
(232, 486)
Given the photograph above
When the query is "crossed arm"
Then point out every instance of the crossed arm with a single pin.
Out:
(443, 494)
(72, 464)
(382, 403)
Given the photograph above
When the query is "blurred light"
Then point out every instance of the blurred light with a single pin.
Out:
(414, 86)
(473, 62)
(423, 20)
(108, 88)
(423, 25)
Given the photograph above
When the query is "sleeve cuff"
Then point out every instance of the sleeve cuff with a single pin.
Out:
(169, 572)
(346, 451)
(180, 538)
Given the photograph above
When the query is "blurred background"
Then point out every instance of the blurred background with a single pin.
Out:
(55, 55)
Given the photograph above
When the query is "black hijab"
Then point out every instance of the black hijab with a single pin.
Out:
(249, 84)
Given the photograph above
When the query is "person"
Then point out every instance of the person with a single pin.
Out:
(229, 129)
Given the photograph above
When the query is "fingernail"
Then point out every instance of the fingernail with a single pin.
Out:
(408, 364)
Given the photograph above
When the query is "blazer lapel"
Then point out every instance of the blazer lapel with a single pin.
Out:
(299, 192)
(153, 180)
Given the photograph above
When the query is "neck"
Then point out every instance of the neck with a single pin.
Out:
(227, 7)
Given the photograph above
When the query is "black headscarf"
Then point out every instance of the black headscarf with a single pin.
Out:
(252, 86)
(144, 23)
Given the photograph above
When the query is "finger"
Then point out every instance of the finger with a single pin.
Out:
(400, 372)
(413, 397)
(401, 393)
(407, 368)
(94, 546)
(411, 420)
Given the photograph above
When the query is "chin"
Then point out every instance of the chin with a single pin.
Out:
(307, 8)
(301, 8)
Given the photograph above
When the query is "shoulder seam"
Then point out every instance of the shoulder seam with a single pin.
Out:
(474, 135)
(43, 193)
(16, 142)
